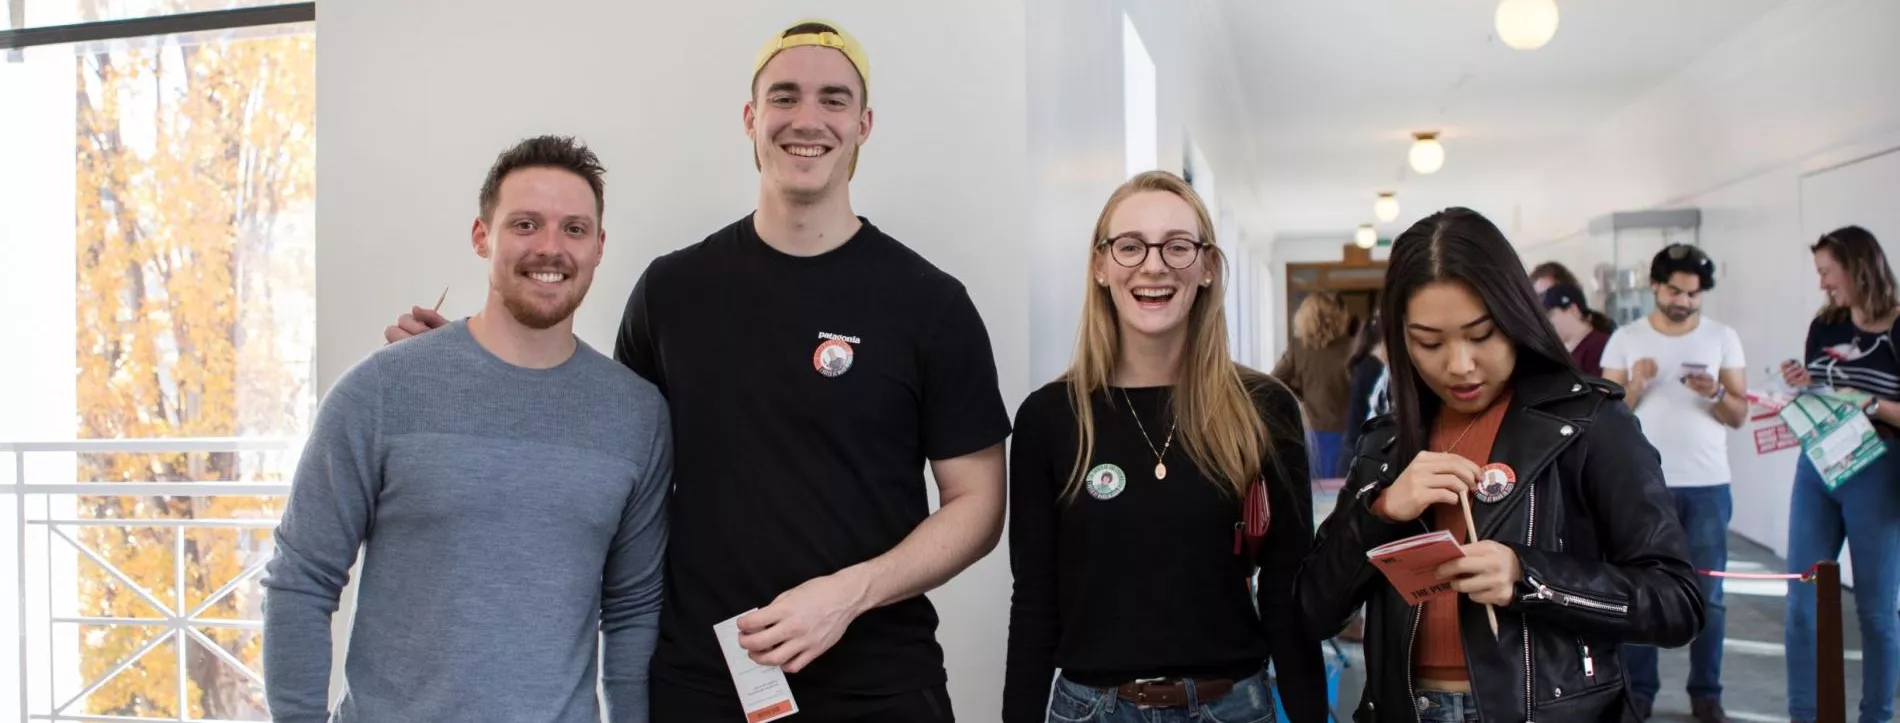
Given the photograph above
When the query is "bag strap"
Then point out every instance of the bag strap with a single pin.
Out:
(1891, 349)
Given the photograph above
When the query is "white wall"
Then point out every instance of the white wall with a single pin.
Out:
(1811, 86)
(417, 98)
(1076, 155)
(1268, 298)
(1200, 106)
(1860, 192)
(1810, 77)
(1077, 147)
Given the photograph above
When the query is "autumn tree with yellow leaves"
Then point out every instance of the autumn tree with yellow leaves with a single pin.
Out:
(196, 184)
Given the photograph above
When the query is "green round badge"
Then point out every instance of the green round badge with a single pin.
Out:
(1106, 481)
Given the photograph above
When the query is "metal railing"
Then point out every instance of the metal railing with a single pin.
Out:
(182, 624)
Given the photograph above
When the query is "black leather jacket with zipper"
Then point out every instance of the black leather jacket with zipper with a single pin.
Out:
(1604, 561)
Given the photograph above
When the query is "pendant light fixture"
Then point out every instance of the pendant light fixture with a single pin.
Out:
(1386, 208)
(1427, 155)
(1365, 237)
(1526, 24)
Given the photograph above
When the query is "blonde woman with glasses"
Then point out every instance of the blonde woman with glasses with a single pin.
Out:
(1131, 478)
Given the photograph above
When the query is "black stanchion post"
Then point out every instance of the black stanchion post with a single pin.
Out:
(1827, 622)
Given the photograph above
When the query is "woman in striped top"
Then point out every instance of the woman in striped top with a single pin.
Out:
(1850, 345)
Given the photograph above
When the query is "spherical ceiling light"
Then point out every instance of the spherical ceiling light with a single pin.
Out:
(1526, 24)
(1427, 155)
(1365, 237)
(1386, 208)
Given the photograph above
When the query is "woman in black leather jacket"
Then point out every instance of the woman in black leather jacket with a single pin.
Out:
(1579, 549)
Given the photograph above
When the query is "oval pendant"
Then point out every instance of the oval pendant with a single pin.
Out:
(1161, 471)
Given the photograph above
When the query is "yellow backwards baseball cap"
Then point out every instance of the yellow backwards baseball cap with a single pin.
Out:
(835, 38)
(823, 34)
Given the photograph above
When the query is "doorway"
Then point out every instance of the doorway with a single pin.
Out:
(1358, 280)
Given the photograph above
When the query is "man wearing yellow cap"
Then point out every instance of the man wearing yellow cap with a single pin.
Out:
(813, 364)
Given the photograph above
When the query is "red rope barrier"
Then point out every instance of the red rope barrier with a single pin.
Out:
(1802, 576)
(1754, 576)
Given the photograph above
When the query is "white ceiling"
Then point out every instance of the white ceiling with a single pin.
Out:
(1336, 87)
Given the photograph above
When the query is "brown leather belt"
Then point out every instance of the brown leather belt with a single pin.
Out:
(1173, 693)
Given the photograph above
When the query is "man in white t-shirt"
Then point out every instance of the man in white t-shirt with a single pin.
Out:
(1683, 374)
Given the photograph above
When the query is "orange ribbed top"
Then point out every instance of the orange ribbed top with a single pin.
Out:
(1439, 652)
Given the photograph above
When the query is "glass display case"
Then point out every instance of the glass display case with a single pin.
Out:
(1631, 239)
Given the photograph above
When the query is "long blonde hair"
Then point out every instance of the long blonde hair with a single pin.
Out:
(1322, 319)
(1216, 421)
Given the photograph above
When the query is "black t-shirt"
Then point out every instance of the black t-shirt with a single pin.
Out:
(1146, 583)
(806, 394)
(1840, 354)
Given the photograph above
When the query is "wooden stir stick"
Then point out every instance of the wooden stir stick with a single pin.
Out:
(1471, 538)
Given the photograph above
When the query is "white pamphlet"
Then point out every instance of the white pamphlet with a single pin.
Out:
(763, 691)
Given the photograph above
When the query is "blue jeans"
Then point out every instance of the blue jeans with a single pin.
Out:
(1864, 511)
(1439, 707)
(1704, 513)
(1249, 702)
(1323, 459)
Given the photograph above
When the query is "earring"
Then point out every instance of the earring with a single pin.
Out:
(1206, 281)
(1099, 281)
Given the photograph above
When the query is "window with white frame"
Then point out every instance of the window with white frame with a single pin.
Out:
(157, 210)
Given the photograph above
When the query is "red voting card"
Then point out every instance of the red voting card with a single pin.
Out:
(1411, 564)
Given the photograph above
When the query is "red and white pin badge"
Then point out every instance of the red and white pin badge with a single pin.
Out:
(1495, 482)
(833, 357)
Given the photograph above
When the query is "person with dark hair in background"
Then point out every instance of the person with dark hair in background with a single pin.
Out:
(1314, 367)
(1367, 397)
(1684, 374)
(1850, 345)
(1580, 551)
(1573, 319)
(1129, 474)
(1551, 273)
(1370, 399)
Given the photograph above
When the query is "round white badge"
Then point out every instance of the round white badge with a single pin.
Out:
(1106, 481)
(833, 357)
(1495, 482)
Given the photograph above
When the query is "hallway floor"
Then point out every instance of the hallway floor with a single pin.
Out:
(1754, 678)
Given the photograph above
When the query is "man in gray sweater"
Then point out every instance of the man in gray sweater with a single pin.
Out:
(506, 484)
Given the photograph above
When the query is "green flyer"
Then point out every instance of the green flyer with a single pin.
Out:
(1834, 432)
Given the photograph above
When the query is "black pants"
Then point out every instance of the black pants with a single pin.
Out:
(672, 703)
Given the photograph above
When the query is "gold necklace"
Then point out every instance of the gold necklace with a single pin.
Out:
(1461, 435)
(1161, 468)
